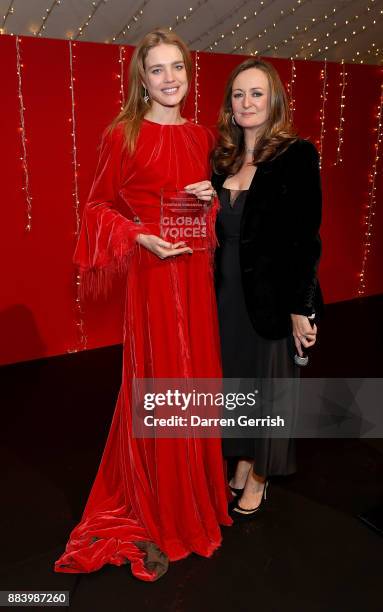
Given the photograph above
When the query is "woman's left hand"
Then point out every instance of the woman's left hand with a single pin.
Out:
(204, 190)
(304, 334)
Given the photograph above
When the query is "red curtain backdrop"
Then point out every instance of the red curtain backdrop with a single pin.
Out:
(37, 304)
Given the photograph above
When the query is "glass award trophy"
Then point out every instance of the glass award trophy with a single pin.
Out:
(184, 218)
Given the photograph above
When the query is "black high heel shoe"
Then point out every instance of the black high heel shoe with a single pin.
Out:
(236, 492)
(239, 514)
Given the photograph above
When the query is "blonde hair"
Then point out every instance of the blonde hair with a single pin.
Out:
(278, 132)
(135, 107)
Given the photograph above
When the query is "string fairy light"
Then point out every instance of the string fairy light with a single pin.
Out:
(340, 128)
(282, 16)
(324, 41)
(233, 30)
(372, 50)
(41, 29)
(324, 95)
(191, 12)
(10, 11)
(309, 43)
(222, 20)
(121, 61)
(290, 88)
(24, 141)
(72, 120)
(85, 24)
(341, 42)
(314, 22)
(196, 87)
(80, 324)
(371, 203)
(360, 54)
(132, 21)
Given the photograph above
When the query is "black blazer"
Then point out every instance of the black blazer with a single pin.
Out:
(280, 244)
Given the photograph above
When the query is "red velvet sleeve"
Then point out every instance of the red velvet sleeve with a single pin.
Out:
(107, 238)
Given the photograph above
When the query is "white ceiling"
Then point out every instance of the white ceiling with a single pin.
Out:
(350, 29)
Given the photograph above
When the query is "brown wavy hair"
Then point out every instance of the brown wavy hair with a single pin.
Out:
(135, 107)
(278, 132)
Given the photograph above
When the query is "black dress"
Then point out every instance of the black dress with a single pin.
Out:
(245, 354)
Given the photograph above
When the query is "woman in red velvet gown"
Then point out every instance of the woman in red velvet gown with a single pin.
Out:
(152, 500)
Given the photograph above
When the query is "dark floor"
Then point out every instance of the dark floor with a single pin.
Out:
(308, 552)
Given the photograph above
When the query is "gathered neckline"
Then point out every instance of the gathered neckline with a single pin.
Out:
(167, 124)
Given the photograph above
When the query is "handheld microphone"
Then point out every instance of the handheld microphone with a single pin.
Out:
(303, 361)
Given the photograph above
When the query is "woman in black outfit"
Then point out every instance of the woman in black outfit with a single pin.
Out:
(268, 182)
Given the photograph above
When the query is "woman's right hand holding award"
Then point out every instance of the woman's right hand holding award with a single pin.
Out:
(162, 248)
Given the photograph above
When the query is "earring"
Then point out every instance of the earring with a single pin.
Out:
(233, 119)
(146, 97)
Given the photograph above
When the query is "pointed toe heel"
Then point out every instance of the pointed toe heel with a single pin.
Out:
(238, 513)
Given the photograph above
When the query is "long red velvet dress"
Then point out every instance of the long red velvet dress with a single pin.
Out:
(171, 492)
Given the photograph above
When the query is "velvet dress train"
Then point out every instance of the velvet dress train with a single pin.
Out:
(150, 494)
